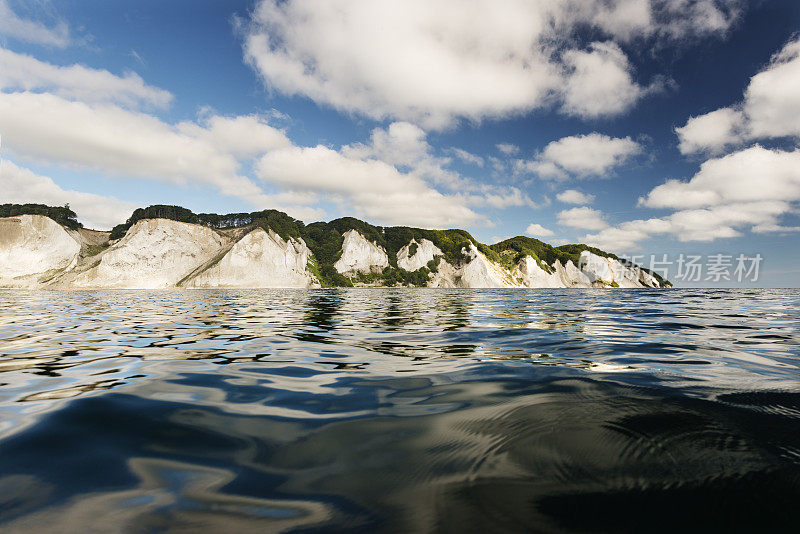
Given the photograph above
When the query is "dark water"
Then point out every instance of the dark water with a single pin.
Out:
(400, 411)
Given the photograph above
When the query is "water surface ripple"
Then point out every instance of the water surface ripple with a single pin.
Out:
(400, 410)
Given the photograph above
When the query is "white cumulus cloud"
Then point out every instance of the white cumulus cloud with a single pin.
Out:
(537, 230)
(405, 146)
(20, 72)
(752, 174)
(584, 218)
(20, 186)
(772, 100)
(747, 190)
(600, 81)
(119, 142)
(581, 156)
(433, 63)
(369, 188)
(508, 149)
(394, 178)
(713, 132)
(573, 196)
(770, 109)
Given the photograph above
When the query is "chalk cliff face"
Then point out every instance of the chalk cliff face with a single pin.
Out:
(571, 276)
(594, 271)
(478, 271)
(260, 259)
(155, 253)
(360, 255)
(34, 248)
(531, 273)
(609, 271)
(36, 251)
(424, 253)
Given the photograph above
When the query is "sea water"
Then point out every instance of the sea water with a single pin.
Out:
(400, 410)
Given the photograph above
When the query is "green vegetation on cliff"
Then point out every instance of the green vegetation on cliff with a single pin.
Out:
(325, 240)
(574, 251)
(279, 222)
(61, 214)
(528, 246)
(515, 248)
(451, 242)
(520, 246)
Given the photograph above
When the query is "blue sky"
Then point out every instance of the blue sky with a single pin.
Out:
(640, 126)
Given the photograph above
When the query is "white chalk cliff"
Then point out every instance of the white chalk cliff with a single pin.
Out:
(425, 252)
(593, 271)
(609, 270)
(35, 251)
(360, 255)
(478, 271)
(260, 259)
(155, 253)
(532, 273)
(33, 248)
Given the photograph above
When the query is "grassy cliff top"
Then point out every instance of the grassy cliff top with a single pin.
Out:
(61, 214)
(522, 246)
(280, 222)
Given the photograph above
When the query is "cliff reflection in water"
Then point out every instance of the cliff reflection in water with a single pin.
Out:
(399, 410)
